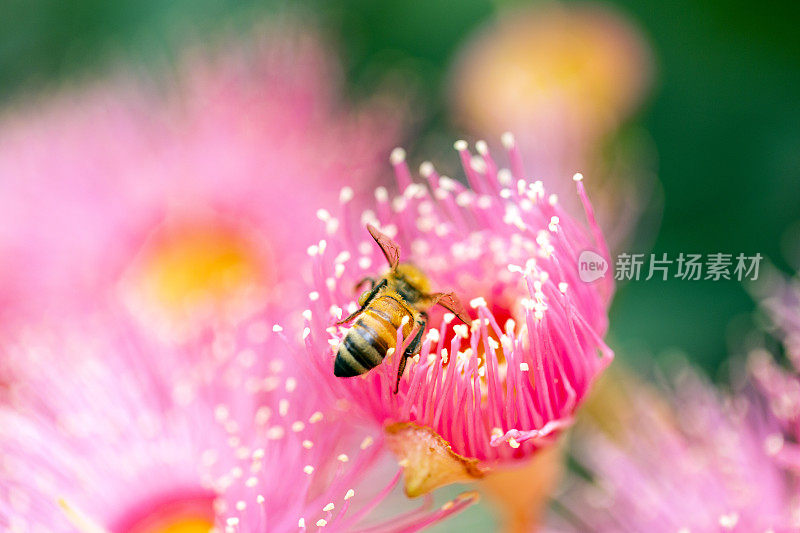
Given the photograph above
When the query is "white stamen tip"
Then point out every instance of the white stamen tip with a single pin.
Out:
(482, 147)
(350, 493)
(328, 507)
(322, 522)
(729, 521)
(345, 195)
(301, 523)
(426, 169)
(523, 367)
(508, 140)
(773, 443)
(308, 469)
(477, 302)
(460, 145)
(381, 194)
(343, 458)
(398, 156)
(577, 177)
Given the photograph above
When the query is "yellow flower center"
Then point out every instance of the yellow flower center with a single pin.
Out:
(182, 525)
(191, 513)
(200, 264)
(188, 271)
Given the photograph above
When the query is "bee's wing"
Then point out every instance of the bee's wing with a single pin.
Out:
(390, 248)
(450, 301)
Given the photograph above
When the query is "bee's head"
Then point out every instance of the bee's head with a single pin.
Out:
(410, 281)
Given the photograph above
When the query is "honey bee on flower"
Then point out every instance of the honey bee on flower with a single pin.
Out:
(494, 393)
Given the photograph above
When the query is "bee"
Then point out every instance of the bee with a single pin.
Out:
(398, 299)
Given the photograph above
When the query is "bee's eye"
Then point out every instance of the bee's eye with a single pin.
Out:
(363, 298)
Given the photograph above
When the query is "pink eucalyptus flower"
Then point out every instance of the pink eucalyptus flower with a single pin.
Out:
(693, 461)
(493, 391)
(564, 78)
(779, 383)
(194, 199)
(106, 431)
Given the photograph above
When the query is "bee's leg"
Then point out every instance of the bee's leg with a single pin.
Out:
(412, 349)
(369, 298)
(362, 281)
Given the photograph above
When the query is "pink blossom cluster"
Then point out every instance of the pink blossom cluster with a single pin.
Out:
(507, 383)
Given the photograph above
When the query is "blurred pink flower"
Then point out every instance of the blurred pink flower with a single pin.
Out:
(779, 383)
(694, 461)
(565, 77)
(106, 431)
(579, 70)
(198, 191)
(495, 390)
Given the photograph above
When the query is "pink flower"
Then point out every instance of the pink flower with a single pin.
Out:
(561, 76)
(693, 461)
(195, 200)
(565, 78)
(106, 431)
(781, 385)
(490, 392)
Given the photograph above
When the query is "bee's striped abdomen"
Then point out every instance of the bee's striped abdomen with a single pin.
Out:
(372, 335)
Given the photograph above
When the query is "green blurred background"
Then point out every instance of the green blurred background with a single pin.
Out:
(724, 117)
